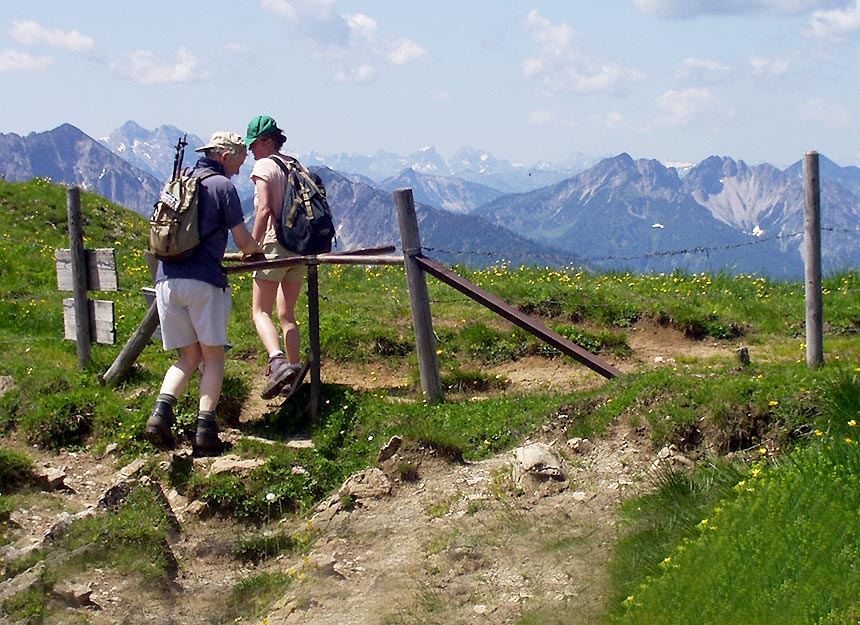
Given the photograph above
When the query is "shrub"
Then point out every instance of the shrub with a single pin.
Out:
(462, 381)
(15, 469)
(258, 548)
(59, 421)
(491, 345)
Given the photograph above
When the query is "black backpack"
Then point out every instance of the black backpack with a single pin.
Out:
(306, 225)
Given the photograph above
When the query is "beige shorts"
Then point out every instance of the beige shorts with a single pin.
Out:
(290, 273)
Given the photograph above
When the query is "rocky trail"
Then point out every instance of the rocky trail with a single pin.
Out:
(527, 531)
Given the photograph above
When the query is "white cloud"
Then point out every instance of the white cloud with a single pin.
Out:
(560, 66)
(568, 119)
(836, 24)
(833, 116)
(763, 67)
(405, 51)
(359, 74)
(549, 119)
(701, 69)
(362, 26)
(32, 33)
(314, 23)
(12, 61)
(298, 9)
(610, 120)
(281, 7)
(351, 45)
(365, 42)
(144, 68)
(557, 38)
(678, 108)
(695, 8)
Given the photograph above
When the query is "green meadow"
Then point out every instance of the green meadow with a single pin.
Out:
(765, 529)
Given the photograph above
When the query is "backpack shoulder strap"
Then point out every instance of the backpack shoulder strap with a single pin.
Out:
(280, 163)
(293, 165)
(288, 163)
(207, 173)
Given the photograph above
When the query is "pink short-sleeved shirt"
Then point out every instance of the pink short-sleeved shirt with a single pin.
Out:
(268, 170)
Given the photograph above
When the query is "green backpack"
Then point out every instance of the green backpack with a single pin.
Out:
(173, 227)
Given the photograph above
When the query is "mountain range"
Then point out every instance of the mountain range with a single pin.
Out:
(625, 213)
(66, 155)
(615, 213)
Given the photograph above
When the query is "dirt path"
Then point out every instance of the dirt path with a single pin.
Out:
(462, 543)
(471, 543)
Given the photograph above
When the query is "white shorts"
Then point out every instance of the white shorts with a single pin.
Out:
(192, 311)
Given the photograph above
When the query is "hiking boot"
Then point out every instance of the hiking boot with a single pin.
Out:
(279, 374)
(293, 379)
(206, 440)
(158, 426)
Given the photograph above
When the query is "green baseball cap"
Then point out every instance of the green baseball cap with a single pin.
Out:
(261, 126)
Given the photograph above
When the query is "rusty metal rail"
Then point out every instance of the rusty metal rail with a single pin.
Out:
(366, 256)
(516, 317)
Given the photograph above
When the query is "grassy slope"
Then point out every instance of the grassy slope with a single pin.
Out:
(775, 405)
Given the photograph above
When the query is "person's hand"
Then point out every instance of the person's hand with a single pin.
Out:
(253, 257)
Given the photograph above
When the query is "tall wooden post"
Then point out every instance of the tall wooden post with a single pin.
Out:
(419, 298)
(812, 261)
(314, 335)
(79, 277)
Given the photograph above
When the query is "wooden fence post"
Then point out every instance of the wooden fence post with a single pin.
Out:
(419, 299)
(79, 277)
(812, 261)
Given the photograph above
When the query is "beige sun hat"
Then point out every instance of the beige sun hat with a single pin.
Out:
(224, 140)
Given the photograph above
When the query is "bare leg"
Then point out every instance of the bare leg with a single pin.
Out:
(265, 293)
(212, 377)
(288, 295)
(177, 376)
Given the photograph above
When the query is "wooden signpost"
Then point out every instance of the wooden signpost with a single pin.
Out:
(81, 270)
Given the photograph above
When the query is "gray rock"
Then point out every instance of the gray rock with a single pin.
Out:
(368, 484)
(234, 465)
(49, 478)
(539, 460)
(390, 448)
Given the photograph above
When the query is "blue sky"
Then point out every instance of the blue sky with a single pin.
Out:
(674, 80)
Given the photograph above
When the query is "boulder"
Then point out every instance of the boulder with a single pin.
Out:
(540, 461)
(368, 484)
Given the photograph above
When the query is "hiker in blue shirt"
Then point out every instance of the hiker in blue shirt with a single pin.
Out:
(194, 298)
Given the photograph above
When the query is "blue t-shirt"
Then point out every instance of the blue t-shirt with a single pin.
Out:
(219, 210)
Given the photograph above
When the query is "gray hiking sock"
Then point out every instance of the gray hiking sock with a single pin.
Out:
(167, 398)
(163, 409)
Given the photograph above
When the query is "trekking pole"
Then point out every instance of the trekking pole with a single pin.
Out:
(180, 156)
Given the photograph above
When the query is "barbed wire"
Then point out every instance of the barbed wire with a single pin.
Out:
(523, 302)
(573, 259)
